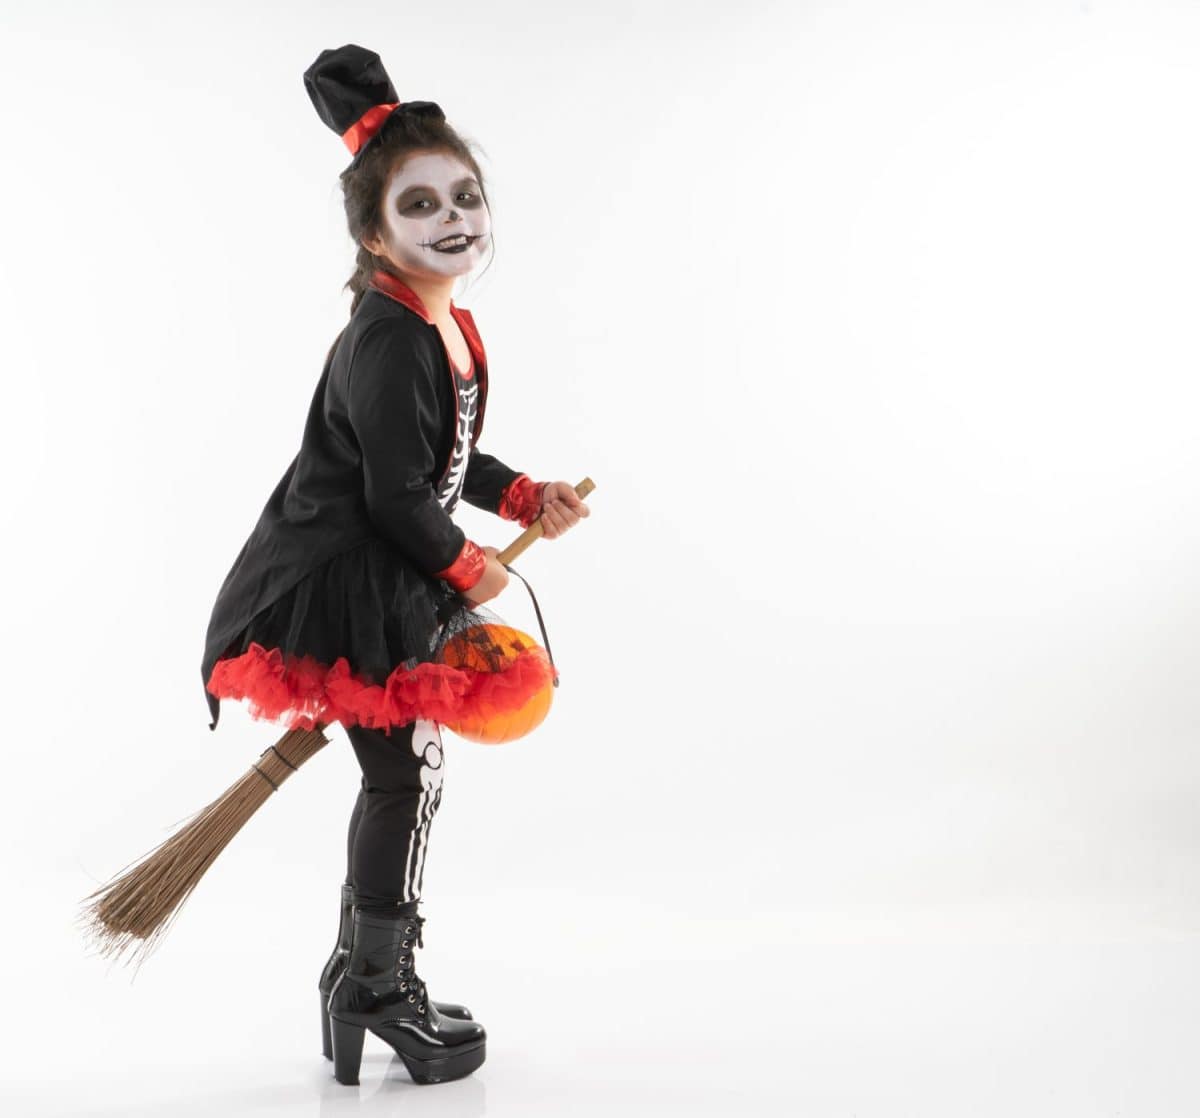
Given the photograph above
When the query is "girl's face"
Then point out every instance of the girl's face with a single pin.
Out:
(434, 219)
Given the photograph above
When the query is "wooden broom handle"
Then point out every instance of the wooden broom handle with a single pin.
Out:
(534, 531)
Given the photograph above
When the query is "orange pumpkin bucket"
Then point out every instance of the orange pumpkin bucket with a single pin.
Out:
(513, 682)
(511, 677)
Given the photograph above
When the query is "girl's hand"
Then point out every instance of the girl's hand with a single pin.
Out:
(561, 508)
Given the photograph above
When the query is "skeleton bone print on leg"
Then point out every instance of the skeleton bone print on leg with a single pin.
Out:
(468, 396)
(427, 745)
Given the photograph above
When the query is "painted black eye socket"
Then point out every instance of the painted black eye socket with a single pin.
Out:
(461, 194)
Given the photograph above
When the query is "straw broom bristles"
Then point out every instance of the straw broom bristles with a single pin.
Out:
(131, 913)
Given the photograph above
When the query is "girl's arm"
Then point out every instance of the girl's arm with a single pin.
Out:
(394, 412)
(495, 487)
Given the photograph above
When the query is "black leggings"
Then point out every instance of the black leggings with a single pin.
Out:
(389, 827)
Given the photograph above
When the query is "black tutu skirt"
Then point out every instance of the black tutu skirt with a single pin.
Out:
(366, 638)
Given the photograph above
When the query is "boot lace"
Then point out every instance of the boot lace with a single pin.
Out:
(406, 966)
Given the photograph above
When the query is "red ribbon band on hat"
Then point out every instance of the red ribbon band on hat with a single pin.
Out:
(367, 125)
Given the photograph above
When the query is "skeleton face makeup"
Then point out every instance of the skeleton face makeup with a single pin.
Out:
(430, 205)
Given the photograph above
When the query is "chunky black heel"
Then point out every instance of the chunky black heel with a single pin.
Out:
(347, 1050)
(380, 990)
(337, 964)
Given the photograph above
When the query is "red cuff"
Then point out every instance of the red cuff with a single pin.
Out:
(521, 500)
(467, 569)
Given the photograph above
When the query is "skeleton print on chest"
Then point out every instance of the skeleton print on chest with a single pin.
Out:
(452, 483)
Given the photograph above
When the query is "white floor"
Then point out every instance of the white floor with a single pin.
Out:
(836, 1015)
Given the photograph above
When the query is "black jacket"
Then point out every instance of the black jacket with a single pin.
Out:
(378, 441)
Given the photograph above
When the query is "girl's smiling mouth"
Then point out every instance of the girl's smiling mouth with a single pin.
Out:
(456, 242)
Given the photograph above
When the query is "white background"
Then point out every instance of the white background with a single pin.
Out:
(870, 787)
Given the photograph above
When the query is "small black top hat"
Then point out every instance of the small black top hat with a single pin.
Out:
(353, 94)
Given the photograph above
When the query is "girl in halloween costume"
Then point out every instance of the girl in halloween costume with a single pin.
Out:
(333, 608)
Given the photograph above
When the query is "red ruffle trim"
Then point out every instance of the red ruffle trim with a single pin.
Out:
(299, 692)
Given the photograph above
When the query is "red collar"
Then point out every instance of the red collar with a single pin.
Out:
(393, 286)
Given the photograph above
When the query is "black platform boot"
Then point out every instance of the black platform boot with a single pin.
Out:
(337, 964)
(379, 990)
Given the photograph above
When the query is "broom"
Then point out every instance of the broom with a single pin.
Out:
(131, 913)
